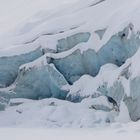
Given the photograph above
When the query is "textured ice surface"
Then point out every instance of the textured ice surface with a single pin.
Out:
(122, 85)
(133, 101)
(4, 100)
(116, 51)
(77, 64)
(39, 83)
(72, 41)
(9, 66)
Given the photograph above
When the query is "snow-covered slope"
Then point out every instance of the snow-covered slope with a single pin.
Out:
(85, 51)
(17, 11)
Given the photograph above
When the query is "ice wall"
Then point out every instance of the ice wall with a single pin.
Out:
(71, 41)
(116, 51)
(4, 100)
(38, 83)
(9, 66)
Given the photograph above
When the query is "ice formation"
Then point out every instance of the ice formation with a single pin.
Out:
(84, 54)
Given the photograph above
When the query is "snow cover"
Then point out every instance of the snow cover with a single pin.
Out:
(19, 11)
(80, 21)
(38, 116)
(116, 132)
(53, 113)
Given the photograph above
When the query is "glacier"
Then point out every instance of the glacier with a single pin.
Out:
(79, 59)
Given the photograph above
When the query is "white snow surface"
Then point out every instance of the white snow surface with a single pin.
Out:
(129, 132)
(54, 113)
(16, 12)
(68, 20)
(31, 120)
